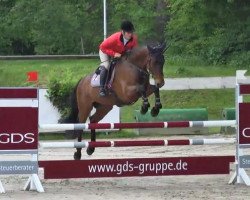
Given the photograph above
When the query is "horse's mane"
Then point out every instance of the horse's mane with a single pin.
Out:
(134, 51)
(156, 51)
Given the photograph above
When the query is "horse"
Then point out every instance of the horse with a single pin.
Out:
(131, 81)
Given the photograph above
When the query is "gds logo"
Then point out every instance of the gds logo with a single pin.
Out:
(246, 132)
(16, 138)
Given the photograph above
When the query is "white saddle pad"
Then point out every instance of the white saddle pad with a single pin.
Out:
(95, 80)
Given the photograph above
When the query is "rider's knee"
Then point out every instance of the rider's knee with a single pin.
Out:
(106, 64)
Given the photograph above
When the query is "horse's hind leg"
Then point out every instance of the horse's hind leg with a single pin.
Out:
(83, 114)
(145, 105)
(78, 153)
(101, 111)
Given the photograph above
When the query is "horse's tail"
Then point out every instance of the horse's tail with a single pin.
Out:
(73, 112)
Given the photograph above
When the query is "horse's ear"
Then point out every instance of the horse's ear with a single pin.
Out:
(160, 48)
(163, 45)
(166, 47)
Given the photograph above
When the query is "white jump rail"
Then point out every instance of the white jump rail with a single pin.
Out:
(172, 124)
(174, 142)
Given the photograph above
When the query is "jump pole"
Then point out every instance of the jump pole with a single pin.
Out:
(133, 143)
(172, 124)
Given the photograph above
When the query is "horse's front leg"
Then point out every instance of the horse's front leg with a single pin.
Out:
(78, 153)
(145, 104)
(156, 109)
(90, 150)
(147, 91)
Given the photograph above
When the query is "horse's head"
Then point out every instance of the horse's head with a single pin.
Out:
(156, 62)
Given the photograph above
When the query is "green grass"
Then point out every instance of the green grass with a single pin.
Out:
(198, 71)
(213, 100)
(14, 73)
(186, 70)
(51, 136)
(179, 66)
(99, 135)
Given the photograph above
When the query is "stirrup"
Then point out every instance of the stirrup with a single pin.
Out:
(102, 92)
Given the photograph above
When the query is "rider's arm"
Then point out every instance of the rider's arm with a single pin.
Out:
(108, 45)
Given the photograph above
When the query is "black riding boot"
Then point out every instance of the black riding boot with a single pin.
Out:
(103, 75)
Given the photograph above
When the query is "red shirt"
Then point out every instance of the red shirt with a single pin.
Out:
(114, 44)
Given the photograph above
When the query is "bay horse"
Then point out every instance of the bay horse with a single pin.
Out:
(130, 82)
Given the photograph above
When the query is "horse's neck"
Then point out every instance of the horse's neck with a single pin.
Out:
(139, 58)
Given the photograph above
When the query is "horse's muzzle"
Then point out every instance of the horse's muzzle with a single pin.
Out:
(160, 84)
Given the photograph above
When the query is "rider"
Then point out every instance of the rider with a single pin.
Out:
(114, 46)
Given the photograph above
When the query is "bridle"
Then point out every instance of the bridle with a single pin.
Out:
(145, 69)
(148, 64)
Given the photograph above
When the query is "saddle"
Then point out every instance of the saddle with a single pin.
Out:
(95, 80)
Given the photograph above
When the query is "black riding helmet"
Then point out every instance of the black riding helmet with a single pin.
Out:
(127, 26)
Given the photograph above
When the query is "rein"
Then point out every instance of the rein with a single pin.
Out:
(143, 71)
(145, 68)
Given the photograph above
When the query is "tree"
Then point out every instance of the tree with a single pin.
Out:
(148, 16)
(216, 31)
(71, 27)
(5, 7)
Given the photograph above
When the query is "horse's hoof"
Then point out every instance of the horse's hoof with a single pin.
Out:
(154, 112)
(90, 151)
(159, 106)
(77, 156)
(144, 110)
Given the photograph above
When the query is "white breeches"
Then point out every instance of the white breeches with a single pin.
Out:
(105, 60)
